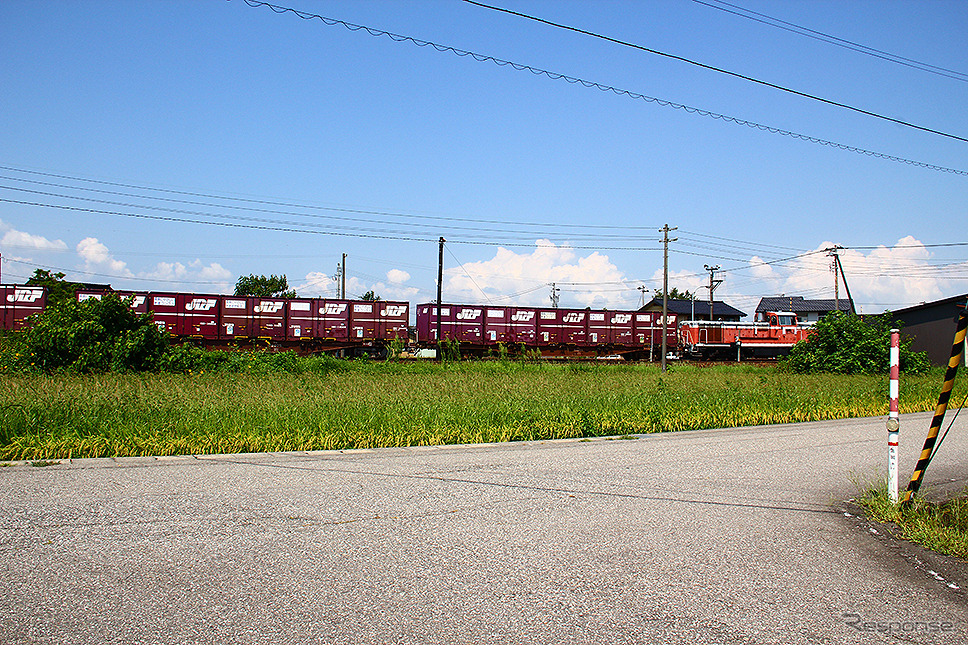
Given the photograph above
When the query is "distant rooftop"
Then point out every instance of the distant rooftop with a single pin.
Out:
(799, 305)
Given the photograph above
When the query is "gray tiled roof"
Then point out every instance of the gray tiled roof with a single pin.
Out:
(797, 304)
(685, 307)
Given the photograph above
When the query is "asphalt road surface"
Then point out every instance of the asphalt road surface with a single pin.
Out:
(722, 536)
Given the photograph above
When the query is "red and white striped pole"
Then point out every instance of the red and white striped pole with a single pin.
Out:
(893, 422)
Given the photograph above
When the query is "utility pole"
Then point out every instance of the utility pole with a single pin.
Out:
(554, 295)
(665, 287)
(713, 283)
(642, 288)
(440, 285)
(342, 273)
(336, 279)
(838, 268)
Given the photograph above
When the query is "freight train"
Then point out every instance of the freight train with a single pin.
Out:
(356, 327)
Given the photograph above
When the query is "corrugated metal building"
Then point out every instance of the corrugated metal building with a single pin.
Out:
(932, 326)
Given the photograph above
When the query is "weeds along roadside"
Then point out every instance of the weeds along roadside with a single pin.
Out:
(941, 527)
(278, 402)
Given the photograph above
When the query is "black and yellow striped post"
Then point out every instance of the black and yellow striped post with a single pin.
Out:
(949, 380)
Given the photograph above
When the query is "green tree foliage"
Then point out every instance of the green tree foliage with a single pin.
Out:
(58, 289)
(260, 286)
(675, 294)
(94, 336)
(846, 344)
(370, 296)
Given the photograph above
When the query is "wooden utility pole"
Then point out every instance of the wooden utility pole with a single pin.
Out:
(665, 287)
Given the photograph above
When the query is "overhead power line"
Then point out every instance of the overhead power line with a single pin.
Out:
(720, 70)
(284, 204)
(607, 88)
(762, 18)
(312, 231)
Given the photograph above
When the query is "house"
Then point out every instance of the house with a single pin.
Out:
(696, 309)
(806, 310)
(931, 326)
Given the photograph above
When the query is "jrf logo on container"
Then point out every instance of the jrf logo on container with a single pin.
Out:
(333, 308)
(268, 307)
(523, 316)
(394, 311)
(200, 304)
(573, 317)
(469, 314)
(26, 295)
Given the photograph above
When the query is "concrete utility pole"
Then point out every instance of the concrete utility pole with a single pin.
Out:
(838, 268)
(440, 285)
(342, 273)
(554, 295)
(642, 288)
(665, 287)
(713, 283)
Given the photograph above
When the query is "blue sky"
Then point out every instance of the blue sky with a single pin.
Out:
(115, 114)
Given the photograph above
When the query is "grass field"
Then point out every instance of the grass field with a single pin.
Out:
(364, 405)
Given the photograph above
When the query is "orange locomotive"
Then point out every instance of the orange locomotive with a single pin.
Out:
(775, 336)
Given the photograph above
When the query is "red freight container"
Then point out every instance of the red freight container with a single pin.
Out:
(496, 325)
(138, 304)
(566, 326)
(644, 330)
(235, 313)
(164, 311)
(332, 319)
(522, 325)
(546, 327)
(620, 328)
(363, 321)
(465, 324)
(394, 320)
(300, 321)
(599, 327)
(427, 323)
(197, 315)
(270, 318)
(378, 320)
(18, 303)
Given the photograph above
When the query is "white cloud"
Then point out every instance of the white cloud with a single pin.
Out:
(397, 276)
(587, 281)
(317, 285)
(20, 239)
(97, 256)
(881, 278)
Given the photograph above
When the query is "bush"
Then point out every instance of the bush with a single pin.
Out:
(847, 344)
(94, 336)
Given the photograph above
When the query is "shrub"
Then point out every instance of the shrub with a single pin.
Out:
(94, 336)
(848, 344)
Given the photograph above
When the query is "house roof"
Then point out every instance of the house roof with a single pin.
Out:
(685, 307)
(798, 305)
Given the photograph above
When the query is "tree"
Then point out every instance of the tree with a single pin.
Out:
(95, 336)
(847, 344)
(675, 294)
(262, 287)
(370, 296)
(58, 289)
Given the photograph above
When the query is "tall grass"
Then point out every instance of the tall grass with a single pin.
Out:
(361, 405)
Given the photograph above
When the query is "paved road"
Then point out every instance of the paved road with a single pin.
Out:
(722, 536)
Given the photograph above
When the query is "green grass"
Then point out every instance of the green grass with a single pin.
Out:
(941, 527)
(354, 404)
